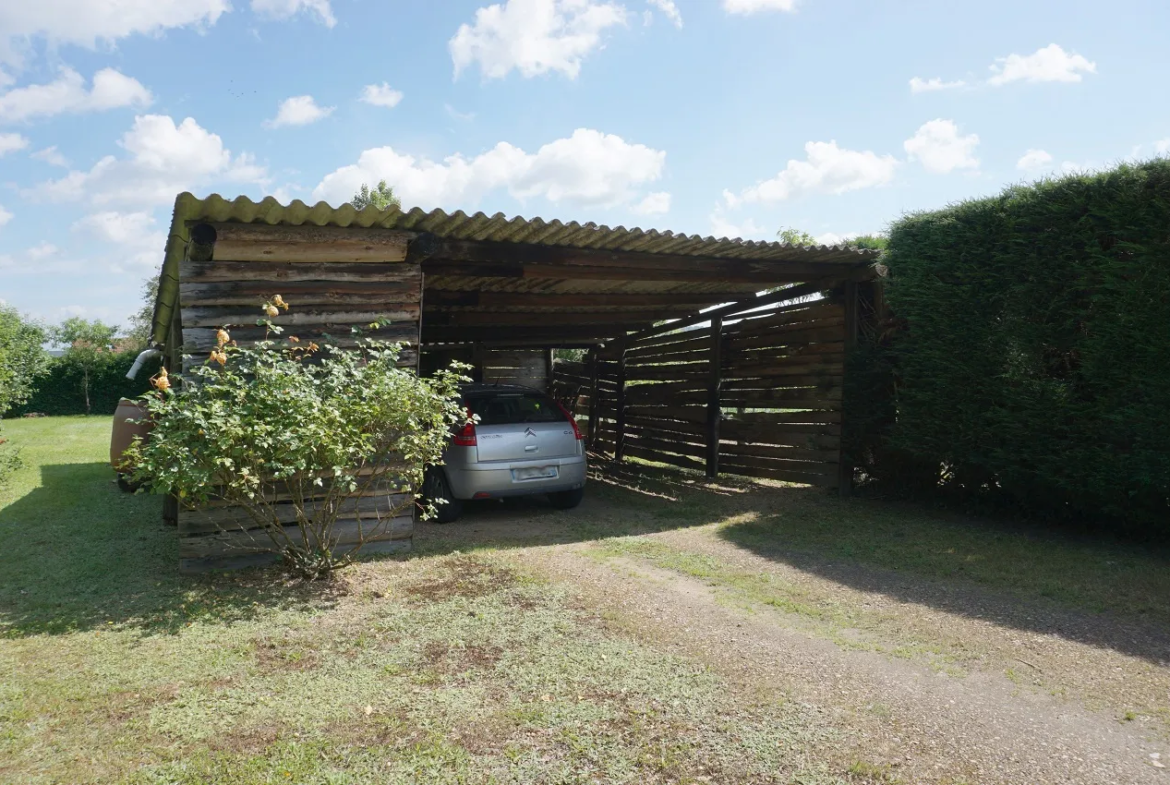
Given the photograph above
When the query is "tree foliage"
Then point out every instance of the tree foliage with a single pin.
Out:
(22, 357)
(142, 322)
(793, 236)
(88, 345)
(382, 197)
(22, 360)
(315, 424)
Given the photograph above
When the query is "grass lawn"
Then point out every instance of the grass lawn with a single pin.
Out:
(440, 668)
(463, 663)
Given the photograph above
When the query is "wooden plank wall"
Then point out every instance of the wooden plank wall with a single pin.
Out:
(333, 280)
(779, 389)
(528, 367)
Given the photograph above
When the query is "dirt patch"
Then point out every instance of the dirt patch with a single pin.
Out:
(441, 657)
(459, 576)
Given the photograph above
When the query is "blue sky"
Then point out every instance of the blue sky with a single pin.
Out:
(724, 117)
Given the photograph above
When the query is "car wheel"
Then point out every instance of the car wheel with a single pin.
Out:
(438, 492)
(567, 500)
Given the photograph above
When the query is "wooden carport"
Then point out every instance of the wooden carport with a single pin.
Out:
(758, 366)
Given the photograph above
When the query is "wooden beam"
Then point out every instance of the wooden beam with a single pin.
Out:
(528, 336)
(272, 272)
(620, 426)
(620, 319)
(492, 252)
(845, 466)
(238, 242)
(594, 402)
(714, 410)
(488, 300)
(782, 273)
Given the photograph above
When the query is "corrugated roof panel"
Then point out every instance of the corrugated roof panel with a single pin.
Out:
(481, 227)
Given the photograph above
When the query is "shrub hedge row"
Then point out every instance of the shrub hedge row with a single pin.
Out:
(60, 391)
(1033, 357)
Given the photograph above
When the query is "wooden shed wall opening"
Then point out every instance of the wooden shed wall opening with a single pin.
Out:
(503, 293)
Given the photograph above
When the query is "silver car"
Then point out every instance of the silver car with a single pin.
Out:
(522, 443)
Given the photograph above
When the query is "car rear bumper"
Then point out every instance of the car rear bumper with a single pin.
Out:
(496, 480)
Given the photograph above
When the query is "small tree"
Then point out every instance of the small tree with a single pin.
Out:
(289, 429)
(22, 359)
(142, 322)
(88, 344)
(870, 242)
(793, 236)
(381, 197)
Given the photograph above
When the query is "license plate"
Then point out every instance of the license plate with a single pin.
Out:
(535, 473)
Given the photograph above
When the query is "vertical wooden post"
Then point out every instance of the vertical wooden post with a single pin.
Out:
(845, 466)
(594, 402)
(619, 435)
(714, 410)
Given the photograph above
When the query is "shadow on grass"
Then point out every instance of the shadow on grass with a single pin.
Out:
(78, 554)
(1086, 589)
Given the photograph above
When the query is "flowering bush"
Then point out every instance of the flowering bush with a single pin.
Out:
(290, 423)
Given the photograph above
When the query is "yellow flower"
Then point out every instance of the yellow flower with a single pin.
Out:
(222, 337)
(293, 339)
(279, 302)
(161, 383)
(313, 347)
(272, 310)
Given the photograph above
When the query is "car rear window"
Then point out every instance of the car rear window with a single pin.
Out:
(512, 408)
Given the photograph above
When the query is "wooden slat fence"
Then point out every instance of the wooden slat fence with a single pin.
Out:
(755, 394)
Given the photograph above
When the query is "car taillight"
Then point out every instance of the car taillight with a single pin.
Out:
(465, 437)
(572, 421)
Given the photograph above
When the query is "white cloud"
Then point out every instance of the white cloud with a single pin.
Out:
(136, 234)
(754, 6)
(832, 238)
(463, 117)
(1033, 160)
(67, 93)
(286, 9)
(10, 143)
(721, 227)
(5, 216)
(381, 95)
(533, 36)
(940, 149)
(1049, 64)
(657, 203)
(1162, 146)
(85, 22)
(920, 85)
(827, 169)
(298, 110)
(588, 168)
(42, 251)
(163, 160)
(51, 156)
(669, 10)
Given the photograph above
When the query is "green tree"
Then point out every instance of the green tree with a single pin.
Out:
(381, 197)
(286, 419)
(88, 344)
(794, 236)
(22, 357)
(870, 242)
(142, 322)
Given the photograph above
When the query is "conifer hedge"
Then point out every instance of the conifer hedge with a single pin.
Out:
(1033, 357)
